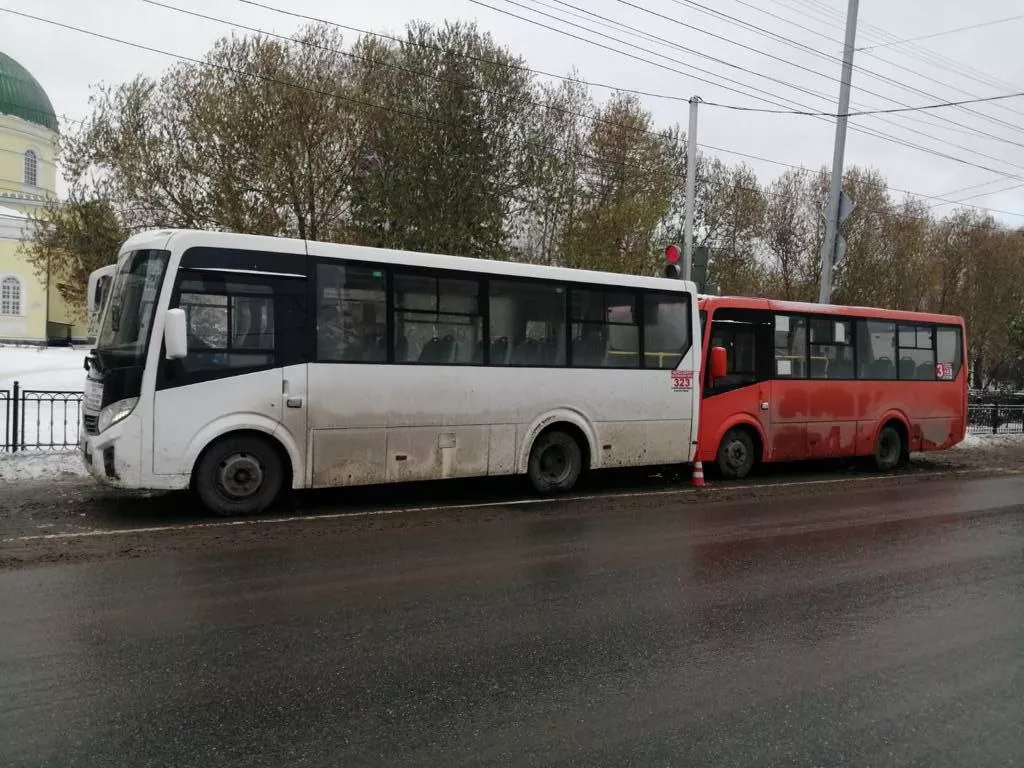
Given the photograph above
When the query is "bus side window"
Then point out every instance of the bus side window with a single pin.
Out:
(350, 314)
(876, 350)
(790, 347)
(230, 323)
(950, 352)
(527, 323)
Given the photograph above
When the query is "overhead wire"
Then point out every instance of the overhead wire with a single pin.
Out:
(918, 53)
(258, 76)
(834, 58)
(941, 34)
(775, 97)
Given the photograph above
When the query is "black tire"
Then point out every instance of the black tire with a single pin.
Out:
(736, 454)
(890, 452)
(556, 462)
(239, 476)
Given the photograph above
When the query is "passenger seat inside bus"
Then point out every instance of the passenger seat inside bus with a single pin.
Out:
(438, 351)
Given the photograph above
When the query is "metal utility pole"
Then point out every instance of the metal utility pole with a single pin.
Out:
(691, 178)
(828, 247)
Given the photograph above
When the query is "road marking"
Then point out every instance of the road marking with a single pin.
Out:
(181, 527)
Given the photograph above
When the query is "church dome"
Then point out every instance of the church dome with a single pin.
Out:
(21, 95)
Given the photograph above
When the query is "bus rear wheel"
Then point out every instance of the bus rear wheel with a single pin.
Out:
(736, 454)
(239, 475)
(556, 462)
(889, 449)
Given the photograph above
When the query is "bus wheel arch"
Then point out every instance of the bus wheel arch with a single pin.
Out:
(739, 449)
(892, 443)
(241, 472)
(572, 426)
(558, 456)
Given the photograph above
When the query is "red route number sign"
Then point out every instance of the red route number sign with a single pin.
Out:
(682, 380)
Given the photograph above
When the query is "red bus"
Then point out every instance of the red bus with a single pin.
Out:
(809, 381)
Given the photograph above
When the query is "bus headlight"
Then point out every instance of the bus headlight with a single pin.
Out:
(115, 412)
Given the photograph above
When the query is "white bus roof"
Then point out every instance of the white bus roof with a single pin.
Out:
(182, 239)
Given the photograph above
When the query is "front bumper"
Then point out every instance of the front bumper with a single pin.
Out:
(114, 457)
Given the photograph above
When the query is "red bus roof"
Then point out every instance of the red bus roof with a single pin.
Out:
(803, 308)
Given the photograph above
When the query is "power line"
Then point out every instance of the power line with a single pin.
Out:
(265, 78)
(631, 55)
(808, 49)
(916, 73)
(468, 57)
(940, 34)
(794, 166)
(619, 26)
(804, 111)
(917, 52)
(980, 194)
(961, 128)
(861, 129)
(862, 113)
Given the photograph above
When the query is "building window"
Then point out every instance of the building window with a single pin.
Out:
(10, 296)
(31, 168)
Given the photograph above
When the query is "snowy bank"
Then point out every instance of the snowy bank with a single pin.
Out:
(988, 441)
(49, 368)
(40, 466)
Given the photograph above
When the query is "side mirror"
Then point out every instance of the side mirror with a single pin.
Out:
(718, 362)
(99, 282)
(175, 334)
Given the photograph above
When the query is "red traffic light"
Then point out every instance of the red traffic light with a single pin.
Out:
(672, 254)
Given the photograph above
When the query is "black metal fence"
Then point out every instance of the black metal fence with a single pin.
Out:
(39, 419)
(995, 419)
(49, 420)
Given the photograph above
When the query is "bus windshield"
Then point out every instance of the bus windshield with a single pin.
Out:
(128, 317)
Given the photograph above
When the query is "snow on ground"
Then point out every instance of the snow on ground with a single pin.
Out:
(40, 466)
(42, 367)
(48, 420)
(989, 440)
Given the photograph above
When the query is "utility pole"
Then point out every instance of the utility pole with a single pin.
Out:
(828, 247)
(691, 178)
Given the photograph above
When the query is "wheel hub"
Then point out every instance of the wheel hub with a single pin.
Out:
(240, 475)
(554, 464)
(736, 454)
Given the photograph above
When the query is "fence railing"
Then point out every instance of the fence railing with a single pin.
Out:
(39, 419)
(995, 419)
(50, 420)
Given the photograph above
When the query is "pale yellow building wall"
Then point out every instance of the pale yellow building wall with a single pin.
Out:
(16, 137)
(30, 325)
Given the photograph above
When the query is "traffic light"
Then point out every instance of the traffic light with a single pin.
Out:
(672, 267)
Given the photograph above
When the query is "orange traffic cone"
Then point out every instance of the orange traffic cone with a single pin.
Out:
(697, 481)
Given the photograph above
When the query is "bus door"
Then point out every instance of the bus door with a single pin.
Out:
(745, 390)
(245, 367)
(790, 398)
(832, 407)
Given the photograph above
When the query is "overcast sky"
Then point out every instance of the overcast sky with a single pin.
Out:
(68, 63)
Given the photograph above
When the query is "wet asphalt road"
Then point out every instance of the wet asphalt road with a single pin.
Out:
(862, 624)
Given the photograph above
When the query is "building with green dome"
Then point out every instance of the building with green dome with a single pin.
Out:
(31, 308)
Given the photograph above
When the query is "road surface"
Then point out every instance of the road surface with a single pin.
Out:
(868, 622)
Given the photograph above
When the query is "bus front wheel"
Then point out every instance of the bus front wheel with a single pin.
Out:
(736, 454)
(239, 475)
(555, 462)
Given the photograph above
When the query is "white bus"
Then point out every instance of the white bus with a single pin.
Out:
(241, 365)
